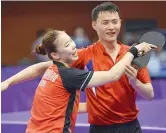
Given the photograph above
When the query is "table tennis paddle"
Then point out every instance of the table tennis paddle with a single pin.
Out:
(153, 37)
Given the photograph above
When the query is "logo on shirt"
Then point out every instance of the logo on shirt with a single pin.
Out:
(50, 75)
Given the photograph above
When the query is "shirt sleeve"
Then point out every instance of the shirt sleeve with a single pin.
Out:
(143, 75)
(74, 79)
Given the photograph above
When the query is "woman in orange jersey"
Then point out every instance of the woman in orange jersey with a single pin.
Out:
(56, 100)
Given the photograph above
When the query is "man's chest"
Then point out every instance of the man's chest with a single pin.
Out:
(104, 63)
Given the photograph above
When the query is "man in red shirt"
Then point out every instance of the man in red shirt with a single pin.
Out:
(111, 107)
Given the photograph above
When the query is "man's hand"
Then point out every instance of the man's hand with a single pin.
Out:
(145, 90)
(131, 73)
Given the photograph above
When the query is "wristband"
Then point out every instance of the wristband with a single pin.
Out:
(134, 51)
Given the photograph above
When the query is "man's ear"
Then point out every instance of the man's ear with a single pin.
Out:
(121, 21)
(94, 25)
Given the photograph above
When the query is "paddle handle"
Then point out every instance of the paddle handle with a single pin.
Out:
(135, 66)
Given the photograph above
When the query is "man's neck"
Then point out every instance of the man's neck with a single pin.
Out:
(110, 46)
(112, 49)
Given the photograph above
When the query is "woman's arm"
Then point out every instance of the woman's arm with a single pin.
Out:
(28, 73)
(100, 78)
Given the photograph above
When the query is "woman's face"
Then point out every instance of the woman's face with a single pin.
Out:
(66, 48)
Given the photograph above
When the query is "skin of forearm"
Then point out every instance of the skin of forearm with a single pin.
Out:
(29, 73)
(119, 68)
(144, 90)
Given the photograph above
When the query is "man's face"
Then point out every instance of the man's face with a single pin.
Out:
(107, 26)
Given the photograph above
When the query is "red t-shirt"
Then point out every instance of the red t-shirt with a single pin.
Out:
(113, 102)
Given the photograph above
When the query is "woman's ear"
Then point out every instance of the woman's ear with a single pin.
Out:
(55, 56)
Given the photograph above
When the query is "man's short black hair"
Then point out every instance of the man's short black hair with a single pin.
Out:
(104, 7)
